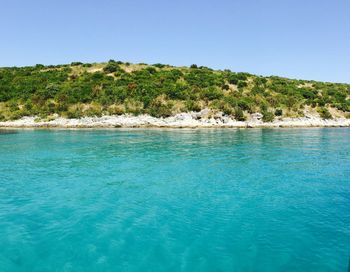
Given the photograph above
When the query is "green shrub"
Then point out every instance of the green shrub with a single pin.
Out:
(42, 90)
(242, 84)
(278, 112)
(2, 117)
(159, 108)
(233, 80)
(246, 104)
(151, 70)
(258, 90)
(192, 105)
(28, 105)
(309, 94)
(242, 76)
(111, 67)
(133, 106)
(49, 91)
(75, 113)
(223, 106)
(93, 110)
(159, 65)
(268, 116)
(15, 115)
(239, 115)
(324, 113)
(76, 63)
(225, 87)
(212, 93)
(116, 109)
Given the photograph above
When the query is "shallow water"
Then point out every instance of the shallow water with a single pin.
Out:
(175, 200)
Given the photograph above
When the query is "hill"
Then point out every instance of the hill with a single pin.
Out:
(113, 88)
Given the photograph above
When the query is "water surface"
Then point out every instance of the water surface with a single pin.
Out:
(175, 200)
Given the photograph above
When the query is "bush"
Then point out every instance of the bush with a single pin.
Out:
(242, 76)
(94, 110)
(192, 105)
(258, 90)
(308, 94)
(160, 108)
(242, 84)
(246, 104)
(75, 113)
(151, 70)
(76, 63)
(239, 115)
(268, 116)
(194, 66)
(225, 87)
(278, 112)
(116, 109)
(49, 92)
(324, 113)
(212, 93)
(111, 67)
(223, 106)
(233, 79)
(15, 115)
(133, 106)
(2, 118)
(40, 90)
(159, 65)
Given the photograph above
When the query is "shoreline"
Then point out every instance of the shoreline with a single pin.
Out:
(182, 120)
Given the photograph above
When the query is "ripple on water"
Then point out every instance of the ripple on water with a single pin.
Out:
(175, 200)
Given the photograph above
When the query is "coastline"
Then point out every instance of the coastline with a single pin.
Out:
(182, 120)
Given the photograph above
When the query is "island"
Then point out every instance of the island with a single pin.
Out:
(122, 94)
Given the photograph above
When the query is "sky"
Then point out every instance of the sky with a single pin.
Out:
(303, 39)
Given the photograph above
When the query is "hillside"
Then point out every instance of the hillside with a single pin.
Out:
(115, 88)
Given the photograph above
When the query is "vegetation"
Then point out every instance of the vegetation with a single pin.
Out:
(324, 113)
(79, 89)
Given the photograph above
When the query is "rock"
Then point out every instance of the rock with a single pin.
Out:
(225, 119)
(183, 116)
(218, 115)
(179, 120)
(256, 116)
(195, 115)
(205, 113)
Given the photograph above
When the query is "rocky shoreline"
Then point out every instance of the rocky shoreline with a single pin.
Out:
(183, 120)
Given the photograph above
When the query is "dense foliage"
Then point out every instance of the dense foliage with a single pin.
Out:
(79, 89)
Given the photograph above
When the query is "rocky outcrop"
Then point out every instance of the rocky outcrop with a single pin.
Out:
(202, 119)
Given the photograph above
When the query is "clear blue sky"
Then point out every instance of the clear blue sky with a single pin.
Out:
(308, 39)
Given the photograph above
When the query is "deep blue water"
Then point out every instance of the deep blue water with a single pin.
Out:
(175, 200)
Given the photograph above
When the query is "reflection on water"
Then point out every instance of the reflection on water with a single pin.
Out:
(8, 131)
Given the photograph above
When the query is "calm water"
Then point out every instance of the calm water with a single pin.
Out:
(175, 200)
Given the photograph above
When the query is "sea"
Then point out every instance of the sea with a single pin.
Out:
(175, 199)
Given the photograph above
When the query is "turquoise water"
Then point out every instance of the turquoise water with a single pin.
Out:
(175, 200)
